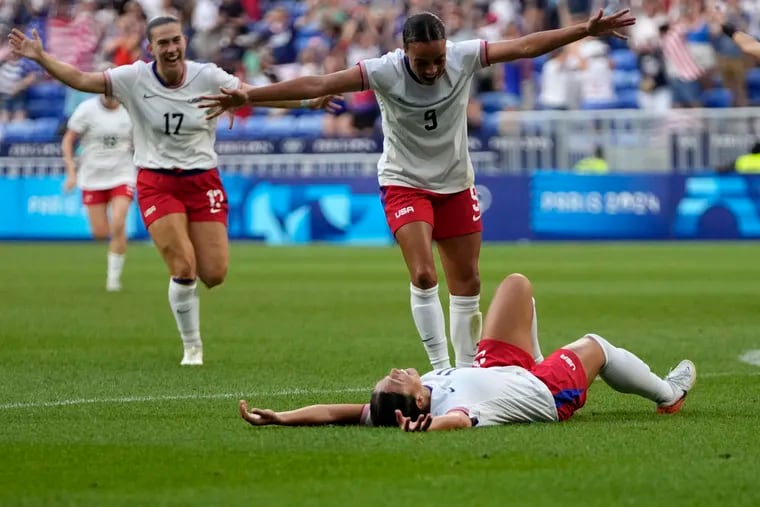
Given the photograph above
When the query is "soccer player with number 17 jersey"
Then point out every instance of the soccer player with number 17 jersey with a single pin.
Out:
(179, 191)
(425, 173)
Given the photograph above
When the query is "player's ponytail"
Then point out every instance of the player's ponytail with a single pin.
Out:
(423, 27)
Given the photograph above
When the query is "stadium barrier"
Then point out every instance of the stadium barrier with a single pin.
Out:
(543, 205)
(298, 190)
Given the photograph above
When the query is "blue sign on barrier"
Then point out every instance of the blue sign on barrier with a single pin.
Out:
(566, 205)
(545, 205)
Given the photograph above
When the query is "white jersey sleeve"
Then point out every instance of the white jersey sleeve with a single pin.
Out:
(120, 80)
(425, 141)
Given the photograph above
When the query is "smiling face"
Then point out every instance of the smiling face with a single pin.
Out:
(167, 45)
(427, 59)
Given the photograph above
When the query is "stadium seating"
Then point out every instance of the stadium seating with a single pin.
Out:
(626, 80)
(717, 97)
(498, 101)
(753, 85)
(624, 59)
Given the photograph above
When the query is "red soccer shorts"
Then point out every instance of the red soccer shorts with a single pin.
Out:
(450, 215)
(198, 193)
(562, 372)
(93, 197)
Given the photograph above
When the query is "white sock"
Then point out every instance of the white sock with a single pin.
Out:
(115, 266)
(537, 356)
(431, 325)
(626, 373)
(185, 305)
(465, 327)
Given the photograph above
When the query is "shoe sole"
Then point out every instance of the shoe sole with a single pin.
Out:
(674, 408)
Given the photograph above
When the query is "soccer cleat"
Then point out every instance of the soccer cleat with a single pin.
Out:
(113, 285)
(681, 378)
(193, 356)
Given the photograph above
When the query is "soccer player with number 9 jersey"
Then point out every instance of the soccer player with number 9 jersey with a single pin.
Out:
(425, 173)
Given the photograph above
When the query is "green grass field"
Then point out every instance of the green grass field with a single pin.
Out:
(95, 409)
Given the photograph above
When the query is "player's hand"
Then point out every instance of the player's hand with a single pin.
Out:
(227, 100)
(601, 25)
(258, 416)
(422, 423)
(330, 103)
(21, 45)
(69, 184)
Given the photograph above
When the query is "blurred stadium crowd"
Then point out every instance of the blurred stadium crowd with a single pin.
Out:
(676, 55)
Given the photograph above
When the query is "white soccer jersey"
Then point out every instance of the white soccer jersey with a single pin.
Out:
(170, 131)
(425, 126)
(105, 137)
(497, 395)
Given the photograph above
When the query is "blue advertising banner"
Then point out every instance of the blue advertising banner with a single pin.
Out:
(567, 205)
(545, 205)
(37, 208)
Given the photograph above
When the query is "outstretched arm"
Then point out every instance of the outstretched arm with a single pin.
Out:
(307, 87)
(539, 43)
(313, 415)
(23, 46)
(330, 102)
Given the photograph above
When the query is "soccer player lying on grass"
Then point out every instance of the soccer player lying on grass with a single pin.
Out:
(505, 385)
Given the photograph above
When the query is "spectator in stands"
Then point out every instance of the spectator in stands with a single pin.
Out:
(279, 34)
(731, 62)
(646, 41)
(340, 124)
(595, 73)
(697, 35)
(555, 82)
(123, 44)
(684, 74)
(16, 76)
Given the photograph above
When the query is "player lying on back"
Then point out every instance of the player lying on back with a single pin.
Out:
(505, 384)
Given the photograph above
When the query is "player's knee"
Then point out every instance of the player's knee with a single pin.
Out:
(181, 266)
(100, 231)
(424, 278)
(214, 277)
(518, 281)
(118, 229)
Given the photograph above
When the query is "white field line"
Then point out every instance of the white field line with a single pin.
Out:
(249, 395)
(751, 357)
(179, 397)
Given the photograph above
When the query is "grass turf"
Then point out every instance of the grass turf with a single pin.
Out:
(95, 409)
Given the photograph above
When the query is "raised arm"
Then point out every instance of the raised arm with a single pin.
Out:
(748, 44)
(307, 87)
(539, 43)
(23, 46)
(313, 415)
